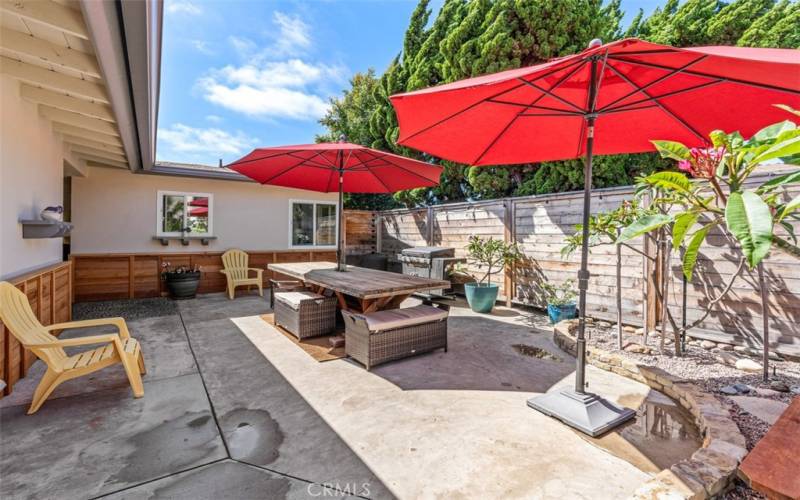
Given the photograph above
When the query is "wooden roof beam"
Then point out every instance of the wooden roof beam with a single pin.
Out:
(53, 80)
(83, 150)
(94, 161)
(78, 120)
(51, 14)
(67, 103)
(72, 130)
(89, 143)
(50, 53)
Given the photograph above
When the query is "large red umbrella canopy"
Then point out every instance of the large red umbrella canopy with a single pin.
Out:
(315, 167)
(608, 99)
(336, 167)
(645, 91)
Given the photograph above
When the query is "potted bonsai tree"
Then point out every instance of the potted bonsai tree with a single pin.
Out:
(560, 300)
(182, 282)
(492, 255)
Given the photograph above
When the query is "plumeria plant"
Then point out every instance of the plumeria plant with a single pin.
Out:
(718, 197)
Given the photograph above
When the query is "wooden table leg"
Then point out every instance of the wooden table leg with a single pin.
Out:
(395, 301)
(342, 302)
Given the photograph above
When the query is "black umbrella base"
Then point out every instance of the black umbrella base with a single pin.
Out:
(587, 412)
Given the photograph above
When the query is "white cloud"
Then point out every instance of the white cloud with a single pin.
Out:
(294, 36)
(275, 80)
(182, 138)
(244, 47)
(183, 7)
(202, 46)
(275, 89)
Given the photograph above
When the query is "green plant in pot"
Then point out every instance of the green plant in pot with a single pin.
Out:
(560, 300)
(492, 256)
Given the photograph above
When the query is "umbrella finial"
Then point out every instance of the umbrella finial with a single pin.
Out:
(596, 42)
(342, 138)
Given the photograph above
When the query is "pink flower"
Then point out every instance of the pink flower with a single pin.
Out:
(685, 165)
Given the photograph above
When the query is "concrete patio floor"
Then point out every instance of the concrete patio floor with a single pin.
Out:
(233, 409)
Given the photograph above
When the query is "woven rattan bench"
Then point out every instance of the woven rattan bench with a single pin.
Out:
(305, 314)
(383, 336)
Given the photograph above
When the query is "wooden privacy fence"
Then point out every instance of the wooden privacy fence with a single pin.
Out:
(539, 224)
(49, 293)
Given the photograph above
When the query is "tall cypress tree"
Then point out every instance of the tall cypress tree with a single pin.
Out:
(474, 37)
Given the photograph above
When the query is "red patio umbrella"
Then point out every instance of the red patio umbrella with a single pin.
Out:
(341, 167)
(608, 99)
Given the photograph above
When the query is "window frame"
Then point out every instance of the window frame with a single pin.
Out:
(314, 203)
(185, 194)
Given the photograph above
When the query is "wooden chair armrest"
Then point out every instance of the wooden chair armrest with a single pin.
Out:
(258, 270)
(94, 339)
(223, 271)
(118, 322)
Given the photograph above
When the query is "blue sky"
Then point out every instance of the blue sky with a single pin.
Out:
(240, 74)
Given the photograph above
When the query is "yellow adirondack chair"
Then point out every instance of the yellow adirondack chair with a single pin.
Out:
(18, 317)
(238, 273)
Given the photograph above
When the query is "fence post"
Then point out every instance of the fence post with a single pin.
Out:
(429, 221)
(650, 271)
(509, 235)
(378, 232)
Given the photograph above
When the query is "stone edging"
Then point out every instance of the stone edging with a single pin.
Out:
(712, 468)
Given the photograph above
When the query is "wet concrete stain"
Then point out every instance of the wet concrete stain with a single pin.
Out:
(166, 448)
(661, 435)
(226, 480)
(535, 352)
(253, 436)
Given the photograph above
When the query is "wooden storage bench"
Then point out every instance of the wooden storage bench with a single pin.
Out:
(383, 336)
(305, 314)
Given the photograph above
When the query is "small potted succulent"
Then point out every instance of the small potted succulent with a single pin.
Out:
(182, 282)
(492, 255)
(560, 300)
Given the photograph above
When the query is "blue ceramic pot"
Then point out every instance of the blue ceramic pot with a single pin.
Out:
(481, 298)
(560, 313)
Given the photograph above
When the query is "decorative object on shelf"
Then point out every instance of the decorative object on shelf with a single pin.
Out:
(53, 213)
(560, 300)
(182, 282)
(204, 240)
(50, 224)
(494, 255)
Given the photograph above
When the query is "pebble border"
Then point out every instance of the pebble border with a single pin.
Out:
(712, 468)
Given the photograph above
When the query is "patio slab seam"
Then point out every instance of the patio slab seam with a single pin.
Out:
(712, 468)
(222, 434)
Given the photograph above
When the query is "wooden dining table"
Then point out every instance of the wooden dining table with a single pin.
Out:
(358, 289)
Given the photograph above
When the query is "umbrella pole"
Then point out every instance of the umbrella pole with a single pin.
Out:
(340, 263)
(587, 412)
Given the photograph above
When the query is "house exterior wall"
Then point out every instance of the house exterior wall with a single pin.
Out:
(115, 211)
(31, 178)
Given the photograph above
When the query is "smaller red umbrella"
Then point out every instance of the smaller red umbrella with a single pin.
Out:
(341, 167)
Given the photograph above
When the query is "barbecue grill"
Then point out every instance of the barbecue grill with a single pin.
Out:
(429, 262)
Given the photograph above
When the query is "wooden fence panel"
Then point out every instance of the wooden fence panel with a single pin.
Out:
(49, 294)
(540, 224)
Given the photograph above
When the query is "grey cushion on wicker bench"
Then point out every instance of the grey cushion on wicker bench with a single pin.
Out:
(305, 314)
(383, 336)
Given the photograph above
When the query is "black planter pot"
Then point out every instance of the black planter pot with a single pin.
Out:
(182, 285)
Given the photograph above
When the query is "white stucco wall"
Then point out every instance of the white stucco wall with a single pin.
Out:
(31, 178)
(114, 211)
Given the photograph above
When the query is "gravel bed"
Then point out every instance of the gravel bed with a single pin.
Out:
(131, 309)
(707, 370)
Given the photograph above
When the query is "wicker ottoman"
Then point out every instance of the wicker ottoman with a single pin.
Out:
(305, 314)
(380, 337)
